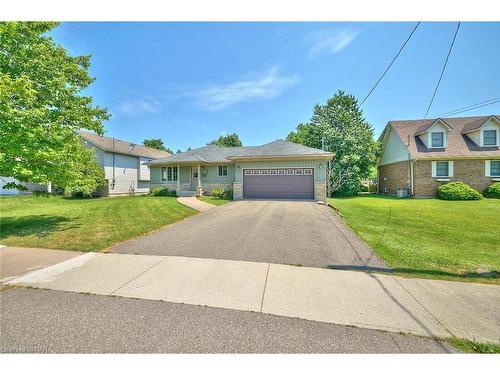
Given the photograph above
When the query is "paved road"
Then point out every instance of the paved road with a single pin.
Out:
(285, 232)
(63, 322)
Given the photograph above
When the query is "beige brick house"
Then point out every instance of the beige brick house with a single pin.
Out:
(419, 155)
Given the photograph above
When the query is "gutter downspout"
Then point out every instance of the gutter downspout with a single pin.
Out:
(113, 181)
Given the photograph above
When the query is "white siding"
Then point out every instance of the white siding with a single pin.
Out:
(393, 149)
(144, 173)
(125, 172)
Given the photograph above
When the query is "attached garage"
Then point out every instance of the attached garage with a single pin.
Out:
(289, 183)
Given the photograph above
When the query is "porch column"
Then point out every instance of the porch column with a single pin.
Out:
(199, 189)
(178, 178)
(199, 176)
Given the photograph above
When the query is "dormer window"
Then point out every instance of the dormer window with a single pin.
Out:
(490, 137)
(437, 139)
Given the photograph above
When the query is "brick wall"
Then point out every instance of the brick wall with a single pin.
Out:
(393, 176)
(469, 171)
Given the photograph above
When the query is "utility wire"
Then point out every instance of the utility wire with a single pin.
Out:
(476, 107)
(470, 107)
(392, 62)
(442, 72)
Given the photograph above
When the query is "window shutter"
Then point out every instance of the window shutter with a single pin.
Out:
(433, 174)
(487, 169)
(450, 168)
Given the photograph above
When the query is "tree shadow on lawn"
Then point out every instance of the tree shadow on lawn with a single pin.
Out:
(38, 225)
(491, 275)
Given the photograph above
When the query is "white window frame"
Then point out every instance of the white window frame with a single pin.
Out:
(430, 139)
(434, 169)
(290, 172)
(248, 172)
(222, 171)
(264, 172)
(299, 172)
(281, 172)
(172, 174)
(308, 172)
(273, 172)
(164, 173)
(487, 169)
(482, 138)
(256, 172)
(195, 172)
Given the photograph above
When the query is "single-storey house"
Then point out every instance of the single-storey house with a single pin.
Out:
(419, 155)
(124, 163)
(279, 170)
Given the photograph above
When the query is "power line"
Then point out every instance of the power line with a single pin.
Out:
(470, 109)
(442, 72)
(392, 62)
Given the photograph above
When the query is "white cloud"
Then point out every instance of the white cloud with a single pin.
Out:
(139, 105)
(330, 41)
(267, 86)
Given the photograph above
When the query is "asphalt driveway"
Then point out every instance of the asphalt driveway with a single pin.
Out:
(285, 232)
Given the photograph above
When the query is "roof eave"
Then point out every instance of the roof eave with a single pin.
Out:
(325, 156)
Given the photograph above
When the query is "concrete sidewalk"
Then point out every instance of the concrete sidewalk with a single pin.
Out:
(389, 303)
(195, 203)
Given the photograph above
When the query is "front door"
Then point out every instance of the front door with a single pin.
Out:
(194, 178)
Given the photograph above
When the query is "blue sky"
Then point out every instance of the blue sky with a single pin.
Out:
(188, 83)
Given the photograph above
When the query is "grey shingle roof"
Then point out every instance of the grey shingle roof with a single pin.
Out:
(459, 143)
(122, 147)
(217, 154)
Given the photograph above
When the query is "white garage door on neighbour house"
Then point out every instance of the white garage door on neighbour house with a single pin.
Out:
(284, 183)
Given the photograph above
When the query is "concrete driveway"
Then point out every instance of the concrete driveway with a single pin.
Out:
(285, 232)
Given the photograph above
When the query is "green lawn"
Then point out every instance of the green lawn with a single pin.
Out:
(429, 237)
(83, 224)
(213, 200)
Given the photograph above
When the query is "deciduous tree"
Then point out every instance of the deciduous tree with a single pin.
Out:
(230, 140)
(42, 108)
(340, 127)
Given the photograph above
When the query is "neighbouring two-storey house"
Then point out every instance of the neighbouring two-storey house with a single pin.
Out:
(124, 163)
(419, 155)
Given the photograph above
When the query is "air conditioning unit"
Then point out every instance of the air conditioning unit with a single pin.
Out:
(402, 193)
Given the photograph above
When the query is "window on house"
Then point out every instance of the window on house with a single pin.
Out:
(222, 170)
(195, 173)
(442, 169)
(489, 138)
(437, 139)
(172, 174)
(264, 172)
(281, 172)
(163, 173)
(495, 168)
(308, 172)
(273, 172)
(248, 172)
(289, 172)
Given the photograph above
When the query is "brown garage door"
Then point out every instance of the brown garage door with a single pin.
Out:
(296, 183)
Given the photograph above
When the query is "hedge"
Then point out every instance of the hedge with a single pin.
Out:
(493, 191)
(458, 191)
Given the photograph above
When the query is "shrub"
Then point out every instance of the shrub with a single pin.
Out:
(222, 193)
(42, 193)
(458, 191)
(162, 192)
(493, 191)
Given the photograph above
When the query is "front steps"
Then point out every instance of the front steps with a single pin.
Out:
(186, 193)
